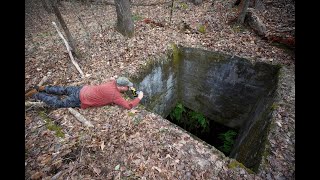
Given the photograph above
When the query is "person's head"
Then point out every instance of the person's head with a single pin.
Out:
(123, 84)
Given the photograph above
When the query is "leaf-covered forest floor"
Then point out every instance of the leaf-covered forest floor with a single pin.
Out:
(137, 144)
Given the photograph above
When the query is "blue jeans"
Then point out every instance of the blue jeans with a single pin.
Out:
(51, 96)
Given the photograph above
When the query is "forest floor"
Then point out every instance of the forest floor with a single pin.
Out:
(137, 144)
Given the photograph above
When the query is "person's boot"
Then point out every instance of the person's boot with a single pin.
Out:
(35, 90)
(40, 88)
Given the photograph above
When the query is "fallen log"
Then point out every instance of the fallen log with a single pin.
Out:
(80, 118)
(43, 80)
(287, 41)
(255, 22)
(76, 114)
(35, 104)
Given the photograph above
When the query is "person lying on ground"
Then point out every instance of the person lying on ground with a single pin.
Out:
(108, 93)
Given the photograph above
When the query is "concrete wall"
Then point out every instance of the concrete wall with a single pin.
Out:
(228, 90)
(159, 86)
(222, 87)
(251, 139)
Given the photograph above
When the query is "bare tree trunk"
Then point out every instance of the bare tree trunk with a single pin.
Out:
(64, 26)
(172, 2)
(257, 4)
(124, 18)
(243, 10)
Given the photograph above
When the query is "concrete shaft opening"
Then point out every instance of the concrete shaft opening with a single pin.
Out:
(228, 90)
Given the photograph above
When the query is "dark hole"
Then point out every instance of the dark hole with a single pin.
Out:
(229, 90)
(215, 134)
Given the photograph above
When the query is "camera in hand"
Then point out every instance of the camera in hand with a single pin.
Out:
(134, 92)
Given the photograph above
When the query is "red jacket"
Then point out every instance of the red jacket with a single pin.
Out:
(104, 94)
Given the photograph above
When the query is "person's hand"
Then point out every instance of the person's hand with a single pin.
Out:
(140, 95)
(114, 77)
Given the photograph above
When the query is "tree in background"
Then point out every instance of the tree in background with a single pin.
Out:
(257, 4)
(64, 26)
(124, 18)
(243, 7)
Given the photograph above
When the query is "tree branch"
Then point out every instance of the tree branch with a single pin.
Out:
(69, 50)
(76, 114)
(43, 80)
(80, 118)
(35, 104)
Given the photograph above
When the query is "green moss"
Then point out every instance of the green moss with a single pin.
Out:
(136, 17)
(266, 153)
(51, 125)
(147, 68)
(140, 106)
(137, 120)
(205, 56)
(274, 106)
(238, 28)
(202, 29)
(43, 34)
(278, 72)
(176, 53)
(251, 149)
(236, 164)
(131, 114)
(183, 5)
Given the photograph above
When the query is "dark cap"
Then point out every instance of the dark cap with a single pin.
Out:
(123, 81)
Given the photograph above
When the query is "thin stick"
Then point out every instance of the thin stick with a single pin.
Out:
(57, 175)
(43, 80)
(80, 118)
(69, 50)
(35, 104)
(171, 11)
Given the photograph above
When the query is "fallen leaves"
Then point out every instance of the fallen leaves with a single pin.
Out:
(117, 167)
(97, 170)
(102, 145)
(36, 175)
(114, 140)
(44, 159)
(279, 123)
(158, 169)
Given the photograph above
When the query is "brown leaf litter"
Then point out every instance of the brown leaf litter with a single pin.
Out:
(137, 144)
